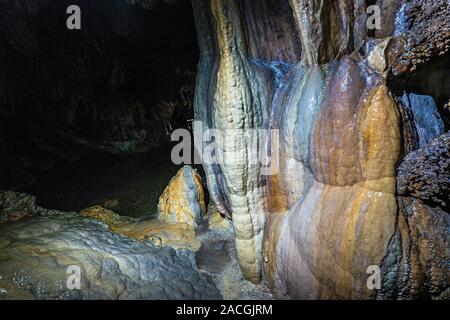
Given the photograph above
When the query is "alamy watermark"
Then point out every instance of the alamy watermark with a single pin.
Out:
(257, 148)
(74, 280)
(374, 280)
(373, 17)
(73, 22)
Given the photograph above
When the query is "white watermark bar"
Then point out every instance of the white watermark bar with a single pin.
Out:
(229, 147)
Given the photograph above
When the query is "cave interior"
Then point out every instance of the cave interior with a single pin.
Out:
(87, 176)
(85, 112)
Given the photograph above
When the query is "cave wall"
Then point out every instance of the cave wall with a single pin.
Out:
(312, 70)
(119, 85)
(362, 174)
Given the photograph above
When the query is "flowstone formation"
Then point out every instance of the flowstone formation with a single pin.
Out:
(327, 131)
(332, 211)
(118, 257)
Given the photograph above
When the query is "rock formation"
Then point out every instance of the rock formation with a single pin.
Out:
(183, 200)
(119, 257)
(323, 140)
(112, 266)
(178, 235)
(315, 227)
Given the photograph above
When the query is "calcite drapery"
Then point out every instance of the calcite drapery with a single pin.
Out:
(331, 211)
(347, 216)
(237, 107)
(180, 211)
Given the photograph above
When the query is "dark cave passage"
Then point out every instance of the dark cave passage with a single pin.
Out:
(432, 81)
(87, 114)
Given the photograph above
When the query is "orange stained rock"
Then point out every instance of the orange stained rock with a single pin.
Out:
(344, 223)
(176, 235)
(183, 200)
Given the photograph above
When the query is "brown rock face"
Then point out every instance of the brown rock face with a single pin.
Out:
(330, 212)
(423, 32)
(425, 174)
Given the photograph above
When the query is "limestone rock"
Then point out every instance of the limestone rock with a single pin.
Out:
(175, 235)
(36, 253)
(77, 91)
(423, 33)
(104, 215)
(216, 221)
(15, 206)
(183, 200)
(331, 209)
(425, 174)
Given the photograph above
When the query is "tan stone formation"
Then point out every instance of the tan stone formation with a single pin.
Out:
(175, 235)
(350, 210)
(331, 211)
(37, 253)
(422, 34)
(183, 200)
(215, 219)
(238, 108)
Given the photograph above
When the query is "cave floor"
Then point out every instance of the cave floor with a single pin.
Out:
(217, 261)
(131, 186)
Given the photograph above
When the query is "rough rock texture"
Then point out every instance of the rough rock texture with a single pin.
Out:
(425, 174)
(422, 29)
(329, 29)
(330, 210)
(335, 205)
(183, 200)
(15, 206)
(36, 251)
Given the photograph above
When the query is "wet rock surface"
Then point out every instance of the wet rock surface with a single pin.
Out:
(36, 252)
(217, 260)
(183, 200)
(15, 206)
(423, 31)
(331, 210)
(37, 249)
